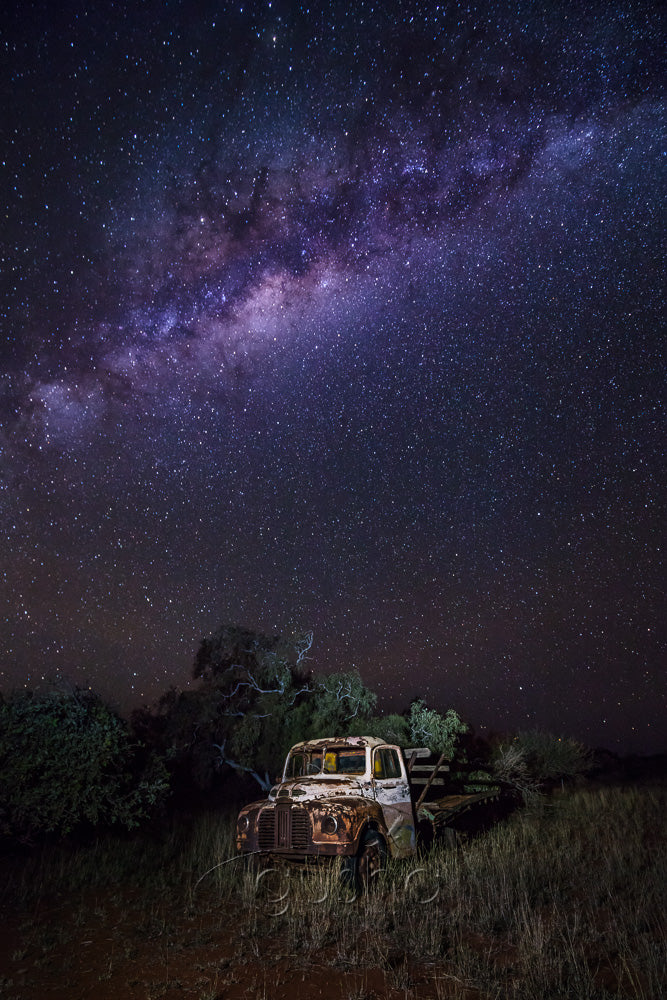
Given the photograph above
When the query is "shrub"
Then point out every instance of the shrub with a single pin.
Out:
(532, 759)
(67, 759)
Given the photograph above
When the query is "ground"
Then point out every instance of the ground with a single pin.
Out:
(111, 945)
(565, 898)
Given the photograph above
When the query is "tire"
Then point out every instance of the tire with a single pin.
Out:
(360, 872)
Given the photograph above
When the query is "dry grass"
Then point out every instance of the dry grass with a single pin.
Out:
(566, 899)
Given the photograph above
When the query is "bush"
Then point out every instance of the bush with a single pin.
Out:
(533, 759)
(67, 759)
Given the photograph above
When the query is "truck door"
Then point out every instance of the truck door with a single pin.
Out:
(392, 792)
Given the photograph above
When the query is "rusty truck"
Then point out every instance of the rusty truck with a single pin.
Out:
(358, 798)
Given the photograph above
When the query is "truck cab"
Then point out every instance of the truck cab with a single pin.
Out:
(339, 797)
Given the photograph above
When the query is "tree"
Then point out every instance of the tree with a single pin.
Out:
(429, 728)
(181, 729)
(341, 704)
(245, 713)
(260, 662)
(257, 698)
(393, 728)
(66, 759)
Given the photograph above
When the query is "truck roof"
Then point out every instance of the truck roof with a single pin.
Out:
(340, 741)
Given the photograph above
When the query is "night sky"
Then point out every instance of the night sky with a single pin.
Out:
(346, 317)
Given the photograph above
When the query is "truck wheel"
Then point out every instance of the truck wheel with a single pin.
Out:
(360, 872)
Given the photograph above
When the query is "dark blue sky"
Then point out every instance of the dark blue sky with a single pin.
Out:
(342, 317)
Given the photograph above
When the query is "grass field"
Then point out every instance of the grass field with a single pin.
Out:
(565, 899)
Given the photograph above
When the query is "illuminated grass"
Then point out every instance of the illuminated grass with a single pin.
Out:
(566, 899)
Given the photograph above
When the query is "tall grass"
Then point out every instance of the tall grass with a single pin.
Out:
(565, 899)
(166, 860)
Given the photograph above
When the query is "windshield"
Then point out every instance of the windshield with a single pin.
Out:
(337, 760)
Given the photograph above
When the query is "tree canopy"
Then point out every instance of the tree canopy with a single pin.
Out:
(438, 732)
(257, 697)
(67, 759)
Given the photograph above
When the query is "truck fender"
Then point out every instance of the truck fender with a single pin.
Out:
(371, 817)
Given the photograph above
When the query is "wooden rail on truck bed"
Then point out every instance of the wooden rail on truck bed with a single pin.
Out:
(443, 808)
(428, 775)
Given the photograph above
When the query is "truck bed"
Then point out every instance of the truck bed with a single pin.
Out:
(442, 817)
(443, 809)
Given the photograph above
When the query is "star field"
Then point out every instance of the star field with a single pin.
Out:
(348, 317)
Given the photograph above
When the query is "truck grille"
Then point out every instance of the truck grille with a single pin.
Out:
(283, 827)
(265, 831)
(300, 828)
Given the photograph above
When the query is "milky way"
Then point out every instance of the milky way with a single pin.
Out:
(348, 317)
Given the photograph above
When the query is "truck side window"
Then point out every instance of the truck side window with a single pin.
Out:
(296, 766)
(386, 764)
(392, 766)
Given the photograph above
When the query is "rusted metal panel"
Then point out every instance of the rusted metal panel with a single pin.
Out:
(332, 795)
(328, 827)
(340, 741)
(321, 787)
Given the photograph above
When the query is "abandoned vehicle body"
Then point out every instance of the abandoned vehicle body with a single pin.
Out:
(357, 798)
(346, 797)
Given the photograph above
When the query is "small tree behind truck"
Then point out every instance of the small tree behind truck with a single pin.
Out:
(351, 797)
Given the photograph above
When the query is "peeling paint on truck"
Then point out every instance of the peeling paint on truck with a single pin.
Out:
(340, 797)
(333, 791)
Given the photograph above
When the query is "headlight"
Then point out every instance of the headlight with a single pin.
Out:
(243, 824)
(329, 824)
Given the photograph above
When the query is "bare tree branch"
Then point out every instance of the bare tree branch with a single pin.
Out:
(264, 783)
(302, 645)
(254, 685)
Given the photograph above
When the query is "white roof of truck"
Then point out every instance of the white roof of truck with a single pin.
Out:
(340, 741)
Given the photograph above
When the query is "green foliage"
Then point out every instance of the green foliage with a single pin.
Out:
(67, 759)
(393, 728)
(554, 756)
(249, 657)
(421, 726)
(245, 714)
(256, 699)
(431, 729)
(255, 683)
(340, 703)
(180, 731)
